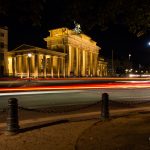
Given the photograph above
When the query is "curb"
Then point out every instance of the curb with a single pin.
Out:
(80, 116)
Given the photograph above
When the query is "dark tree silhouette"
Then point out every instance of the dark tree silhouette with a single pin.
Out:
(134, 14)
(21, 11)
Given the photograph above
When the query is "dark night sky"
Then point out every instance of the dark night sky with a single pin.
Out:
(116, 37)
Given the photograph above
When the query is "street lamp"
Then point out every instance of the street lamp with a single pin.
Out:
(149, 43)
(129, 56)
(129, 62)
(29, 56)
(112, 63)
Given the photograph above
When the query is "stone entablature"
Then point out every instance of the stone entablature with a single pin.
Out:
(66, 36)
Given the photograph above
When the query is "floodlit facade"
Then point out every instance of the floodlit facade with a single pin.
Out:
(3, 50)
(82, 52)
(30, 61)
(68, 54)
(102, 68)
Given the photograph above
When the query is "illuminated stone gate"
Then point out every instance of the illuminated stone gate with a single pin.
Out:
(82, 52)
(68, 54)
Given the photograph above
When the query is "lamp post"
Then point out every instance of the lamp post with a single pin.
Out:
(29, 56)
(129, 57)
(149, 43)
(112, 63)
(129, 61)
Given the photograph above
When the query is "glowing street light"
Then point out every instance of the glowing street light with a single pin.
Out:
(29, 54)
(29, 57)
(149, 43)
(129, 56)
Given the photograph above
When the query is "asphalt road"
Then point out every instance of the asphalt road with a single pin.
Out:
(67, 81)
(34, 99)
(30, 98)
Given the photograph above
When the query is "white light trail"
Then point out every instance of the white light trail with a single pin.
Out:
(39, 92)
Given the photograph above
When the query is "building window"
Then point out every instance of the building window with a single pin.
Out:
(1, 45)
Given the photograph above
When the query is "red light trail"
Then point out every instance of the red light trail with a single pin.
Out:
(80, 86)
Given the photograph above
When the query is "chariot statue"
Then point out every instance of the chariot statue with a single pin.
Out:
(77, 28)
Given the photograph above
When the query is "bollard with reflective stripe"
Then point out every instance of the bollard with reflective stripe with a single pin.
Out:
(12, 118)
(105, 106)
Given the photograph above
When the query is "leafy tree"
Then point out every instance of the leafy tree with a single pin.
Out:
(134, 14)
(21, 11)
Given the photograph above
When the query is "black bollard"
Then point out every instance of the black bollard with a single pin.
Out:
(105, 106)
(12, 118)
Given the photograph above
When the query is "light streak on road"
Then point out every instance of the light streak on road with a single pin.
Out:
(36, 97)
(38, 92)
(134, 81)
(80, 86)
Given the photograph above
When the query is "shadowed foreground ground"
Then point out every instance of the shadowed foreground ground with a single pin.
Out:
(126, 130)
(126, 133)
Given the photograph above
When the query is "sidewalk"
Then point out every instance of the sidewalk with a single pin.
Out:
(80, 129)
(131, 132)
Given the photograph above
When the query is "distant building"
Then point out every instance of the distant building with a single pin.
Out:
(42, 63)
(102, 68)
(3, 50)
(68, 54)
